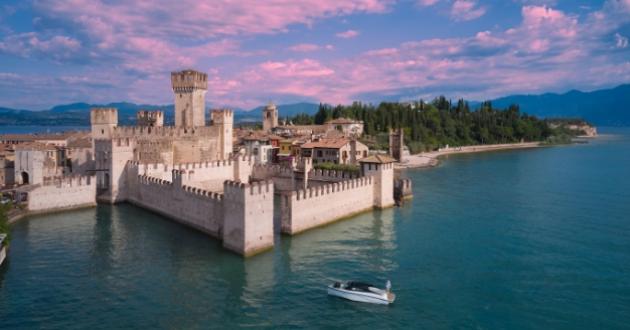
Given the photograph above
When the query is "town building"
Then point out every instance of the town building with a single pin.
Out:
(349, 127)
(336, 151)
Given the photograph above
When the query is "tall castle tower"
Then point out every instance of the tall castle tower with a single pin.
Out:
(270, 117)
(190, 89)
(224, 119)
(103, 122)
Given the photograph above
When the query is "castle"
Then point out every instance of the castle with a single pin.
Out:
(189, 173)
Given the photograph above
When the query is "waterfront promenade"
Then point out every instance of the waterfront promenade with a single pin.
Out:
(430, 159)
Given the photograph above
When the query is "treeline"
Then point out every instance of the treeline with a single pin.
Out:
(428, 126)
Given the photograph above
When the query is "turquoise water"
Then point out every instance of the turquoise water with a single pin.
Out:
(508, 240)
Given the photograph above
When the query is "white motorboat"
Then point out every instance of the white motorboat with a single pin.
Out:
(362, 292)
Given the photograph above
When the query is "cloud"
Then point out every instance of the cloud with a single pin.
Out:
(306, 48)
(194, 19)
(126, 51)
(427, 3)
(620, 41)
(31, 44)
(347, 34)
(466, 10)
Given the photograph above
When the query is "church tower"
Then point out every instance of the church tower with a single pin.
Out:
(190, 89)
(270, 117)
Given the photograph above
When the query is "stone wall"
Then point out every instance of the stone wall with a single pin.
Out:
(320, 205)
(402, 189)
(242, 216)
(194, 207)
(283, 176)
(206, 175)
(63, 193)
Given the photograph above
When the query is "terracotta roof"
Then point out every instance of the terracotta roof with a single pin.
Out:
(80, 142)
(35, 146)
(327, 143)
(378, 159)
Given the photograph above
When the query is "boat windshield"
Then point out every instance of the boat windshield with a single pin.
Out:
(358, 286)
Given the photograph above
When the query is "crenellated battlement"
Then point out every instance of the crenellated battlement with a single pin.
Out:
(69, 181)
(103, 116)
(146, 179)
(270, 170)
(328, 175)
(220, 115)
(163, 131)
(202, 193)
(154, 118)
(188, 80)
(332, 188)
(255, 188)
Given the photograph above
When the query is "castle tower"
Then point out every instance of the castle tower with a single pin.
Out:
(247, 217)
(103, 122)
(396, 143)
(224, 118)
(190, 89)
(270, 117)
(381, 168)
(150, 118)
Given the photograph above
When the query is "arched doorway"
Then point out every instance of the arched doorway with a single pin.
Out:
(106, 181)
(25, 178)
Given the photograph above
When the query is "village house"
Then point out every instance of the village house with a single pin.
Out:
(337, 151)
(349, 127)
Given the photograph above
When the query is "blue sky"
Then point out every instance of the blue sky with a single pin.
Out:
(62, 51)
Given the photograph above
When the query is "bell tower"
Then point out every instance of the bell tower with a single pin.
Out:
(270, 117)
(190, 89)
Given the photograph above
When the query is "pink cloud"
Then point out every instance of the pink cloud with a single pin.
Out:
(347, 34)
(427, 3)
(164, 18)
(466, 10)
(30, 44)
(306, 48)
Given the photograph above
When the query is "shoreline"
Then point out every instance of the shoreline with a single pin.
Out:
(431, 159)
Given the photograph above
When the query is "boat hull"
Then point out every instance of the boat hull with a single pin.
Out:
(361, 296)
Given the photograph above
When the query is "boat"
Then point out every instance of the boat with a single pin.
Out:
(362, 292)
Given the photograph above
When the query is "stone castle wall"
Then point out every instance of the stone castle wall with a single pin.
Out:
(241, 215)
(194, 207)
(63, 193)
(303, 209)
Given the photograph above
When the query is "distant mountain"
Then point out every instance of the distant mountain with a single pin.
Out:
(78, 114)
(606, 107)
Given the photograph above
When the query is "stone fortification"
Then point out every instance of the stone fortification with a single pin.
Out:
(304, 209)
(206, 175)
(150, 118)
(330, 175)
(283, 177)
(402, 189)
(242, 216)
(248, 217)
(62, 193)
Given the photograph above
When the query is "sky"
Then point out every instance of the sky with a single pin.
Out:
(334, 51)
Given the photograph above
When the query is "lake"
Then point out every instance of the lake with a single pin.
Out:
(524, 239)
